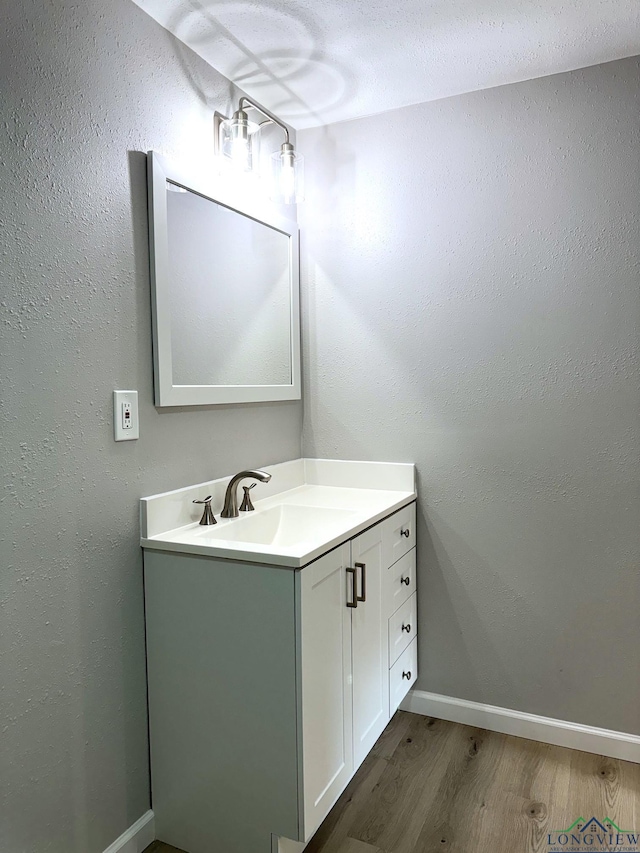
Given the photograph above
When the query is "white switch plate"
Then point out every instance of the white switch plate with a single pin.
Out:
(126, 426)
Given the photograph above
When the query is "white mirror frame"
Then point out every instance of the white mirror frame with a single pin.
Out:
(159, 171)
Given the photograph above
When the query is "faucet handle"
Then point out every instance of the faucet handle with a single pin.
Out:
(247, 505)
(207, 515)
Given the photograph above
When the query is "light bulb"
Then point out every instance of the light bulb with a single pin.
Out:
(240, 153)
(288, 182)
(239, 140)
(288, 173)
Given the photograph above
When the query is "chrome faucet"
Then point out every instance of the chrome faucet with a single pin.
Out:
(230, 508)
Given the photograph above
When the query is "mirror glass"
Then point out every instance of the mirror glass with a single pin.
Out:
(229, 295)
(225, 292)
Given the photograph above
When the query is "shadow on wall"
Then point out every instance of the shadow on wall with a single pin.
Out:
(296, 82)
(448, 609)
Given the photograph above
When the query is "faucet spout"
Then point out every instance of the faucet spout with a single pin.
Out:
(230, 508)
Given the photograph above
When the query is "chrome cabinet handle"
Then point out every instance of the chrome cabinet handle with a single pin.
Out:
(406, 628)
(354, 597)
(404, 531)
(405, 581)
(363, 581)
(407, 675)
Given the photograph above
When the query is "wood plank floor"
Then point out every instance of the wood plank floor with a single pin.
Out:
(430, 785)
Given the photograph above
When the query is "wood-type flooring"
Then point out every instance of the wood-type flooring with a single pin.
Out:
(431, 786)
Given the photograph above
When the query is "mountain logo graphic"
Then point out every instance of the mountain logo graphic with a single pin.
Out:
(581, 825)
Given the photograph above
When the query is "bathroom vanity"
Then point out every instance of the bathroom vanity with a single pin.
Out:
(279, 645)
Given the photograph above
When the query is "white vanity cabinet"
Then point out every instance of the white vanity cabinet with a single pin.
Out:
(326, 646)
(344, 668)
(369, 639)
(268, 686)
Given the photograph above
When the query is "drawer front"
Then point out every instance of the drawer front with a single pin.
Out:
(402, 675)
(400, 582)
(398, 534)
(403, 627)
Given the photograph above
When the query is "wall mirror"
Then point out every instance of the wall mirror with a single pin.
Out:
(225, 293)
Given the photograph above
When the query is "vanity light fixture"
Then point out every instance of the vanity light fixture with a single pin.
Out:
(238, 138)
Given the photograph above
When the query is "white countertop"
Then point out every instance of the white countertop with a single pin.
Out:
(309, 507)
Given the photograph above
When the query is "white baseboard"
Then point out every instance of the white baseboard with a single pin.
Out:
(520, 724)
(286, 845)
(135, 839)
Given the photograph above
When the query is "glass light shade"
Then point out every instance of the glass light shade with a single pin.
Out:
(240, 141)
(288, 175)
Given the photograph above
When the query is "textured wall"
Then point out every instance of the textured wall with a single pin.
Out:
(84, 86)
(472, 270)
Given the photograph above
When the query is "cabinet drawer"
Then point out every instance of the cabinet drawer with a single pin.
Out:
(403, 627)
(400, 582)
(402, 675)
(398, 534)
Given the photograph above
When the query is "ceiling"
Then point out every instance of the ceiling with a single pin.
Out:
(316, 63)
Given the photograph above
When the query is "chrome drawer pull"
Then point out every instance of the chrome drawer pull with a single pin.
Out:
(354, 597)
(406, 628)
(404, 531)
(405, 581)
(407, 675)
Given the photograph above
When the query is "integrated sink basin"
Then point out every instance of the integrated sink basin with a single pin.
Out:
(287, 525)
(308, 507)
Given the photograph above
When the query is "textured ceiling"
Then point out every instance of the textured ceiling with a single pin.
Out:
(315, 63)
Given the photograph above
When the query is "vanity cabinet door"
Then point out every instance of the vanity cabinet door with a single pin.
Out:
(370, 646)
(325, 666)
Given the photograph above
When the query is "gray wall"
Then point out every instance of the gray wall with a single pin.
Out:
(472, 304)
(83, 86)
(472, 272)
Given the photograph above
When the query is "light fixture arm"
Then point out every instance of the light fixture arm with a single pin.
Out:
(266, 113)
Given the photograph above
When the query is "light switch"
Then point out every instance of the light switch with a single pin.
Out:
(125, 415)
